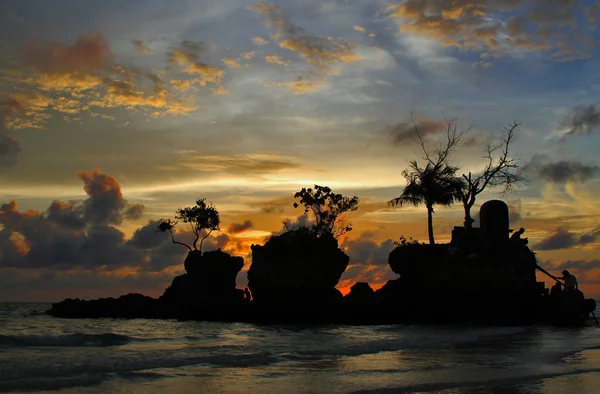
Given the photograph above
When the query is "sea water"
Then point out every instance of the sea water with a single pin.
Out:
(40, 353)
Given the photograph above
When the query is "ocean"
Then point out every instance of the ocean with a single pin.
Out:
(39, 353)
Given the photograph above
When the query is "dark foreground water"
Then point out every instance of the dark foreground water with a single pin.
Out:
(40, 353)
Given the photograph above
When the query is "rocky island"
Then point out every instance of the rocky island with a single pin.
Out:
(481, 276)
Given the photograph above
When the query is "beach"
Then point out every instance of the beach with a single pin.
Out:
(39, 353)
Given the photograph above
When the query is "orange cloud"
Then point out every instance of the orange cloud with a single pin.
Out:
(71, 79)
(187, 55)
(232, 63)
(260, 41)
(90, 52)
(322, 54)
(500, 27)
(96, 183)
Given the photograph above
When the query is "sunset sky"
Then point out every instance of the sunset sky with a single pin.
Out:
(113, 114)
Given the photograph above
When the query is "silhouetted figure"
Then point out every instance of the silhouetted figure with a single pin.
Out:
(247, 294)
(570, 281)
(516, 237)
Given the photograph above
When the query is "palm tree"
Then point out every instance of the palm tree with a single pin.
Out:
(434, 184)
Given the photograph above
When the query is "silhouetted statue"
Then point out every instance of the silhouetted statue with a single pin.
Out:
(516, 237)
(494, 220)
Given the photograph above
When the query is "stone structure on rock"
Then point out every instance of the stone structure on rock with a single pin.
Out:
(482, 261)
(297, 268)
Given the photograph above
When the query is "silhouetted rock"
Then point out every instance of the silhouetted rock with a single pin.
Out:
(133, 305)
(360, 294)
(481, 276)
(209, 281)
(297, 269)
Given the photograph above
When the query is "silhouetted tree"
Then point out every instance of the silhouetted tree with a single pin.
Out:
(436, 183)
(327, 208)
(201, 217)
(428, 186)
(501, 169)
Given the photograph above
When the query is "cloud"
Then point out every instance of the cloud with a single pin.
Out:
(577, 265)
(364, 251)
(368, 262)
(276, 59)
(141, 47)
(564, 239)
(248, 55)
(260, 41)
(105, 203)
(405, 131)
(239, 164)
(564, 171)
(90, 52)
(187, 55)
(232, 63)
(498, 27)
(322, 54)
(81, 234)
(514, 209)
(560, 172)
(9, 146)
(83, 77)
(580, 120)
(237, 228)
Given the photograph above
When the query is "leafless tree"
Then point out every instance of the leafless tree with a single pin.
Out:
(438, 156)
(501, 169)
(436, 183)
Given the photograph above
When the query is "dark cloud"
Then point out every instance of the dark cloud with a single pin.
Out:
(577, 265)
(365, 251)
(563, 239)
(581, 120)
(272, 209)
(405, 131)
(9, 146)
(368, 261)
(561, 171)
(105, 203)
(80, 234)
(237, 228)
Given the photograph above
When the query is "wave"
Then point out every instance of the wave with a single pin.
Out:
(70, 340)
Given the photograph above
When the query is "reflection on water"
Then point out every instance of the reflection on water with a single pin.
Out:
(40, 353)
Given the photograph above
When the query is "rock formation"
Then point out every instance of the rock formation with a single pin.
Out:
(297, 268)
(209, 281)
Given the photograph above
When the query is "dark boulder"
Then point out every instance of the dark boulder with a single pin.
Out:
(297, 268)
(210, 280)
(360, 294)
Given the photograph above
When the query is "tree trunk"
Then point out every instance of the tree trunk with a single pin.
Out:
(468, 219)
(430, 224)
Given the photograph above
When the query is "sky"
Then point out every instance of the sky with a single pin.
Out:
(114, 114)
